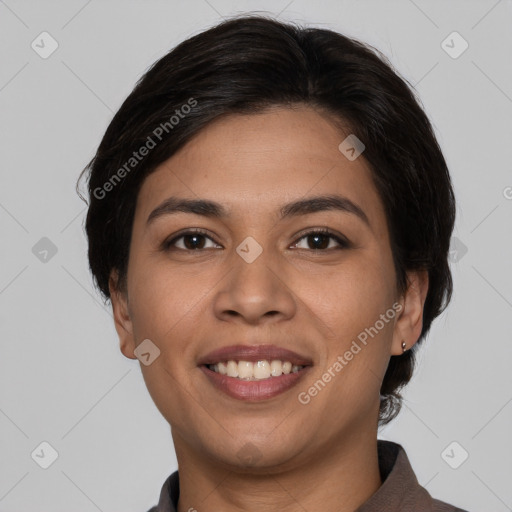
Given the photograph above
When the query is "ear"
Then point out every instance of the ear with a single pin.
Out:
(122, 319)
(410, 317)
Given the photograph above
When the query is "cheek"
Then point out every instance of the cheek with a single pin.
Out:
(159, 299)
(151, 312)
(166, 305)
(349, 305)
(351, 297)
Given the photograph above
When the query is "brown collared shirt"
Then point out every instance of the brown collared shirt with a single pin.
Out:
(399, 492)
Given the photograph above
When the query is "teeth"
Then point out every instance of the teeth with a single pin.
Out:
(247, 370)
(261, 370)
(276, 368)
(232, 369)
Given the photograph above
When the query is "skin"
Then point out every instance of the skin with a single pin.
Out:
(323, 455)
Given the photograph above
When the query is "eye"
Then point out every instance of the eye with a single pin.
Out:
(193, 240)
(321, 238)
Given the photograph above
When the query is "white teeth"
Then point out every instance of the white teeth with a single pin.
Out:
(259, 370)
(245, 370)
(232, 369)
(276, 368)
(222, 368)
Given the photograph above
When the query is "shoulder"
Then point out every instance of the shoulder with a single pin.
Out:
(400, 490)
(169, 495)
(441, 506)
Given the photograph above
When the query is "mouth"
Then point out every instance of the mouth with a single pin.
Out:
(254, 373)
(260, 370)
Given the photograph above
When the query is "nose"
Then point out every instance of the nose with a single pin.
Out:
(255, 293)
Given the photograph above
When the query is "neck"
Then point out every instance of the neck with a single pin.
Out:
(339, 479)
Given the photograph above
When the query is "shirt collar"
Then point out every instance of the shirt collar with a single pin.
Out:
(399, 491)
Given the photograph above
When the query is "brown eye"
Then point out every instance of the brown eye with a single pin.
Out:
(192, 241)
(320, 239)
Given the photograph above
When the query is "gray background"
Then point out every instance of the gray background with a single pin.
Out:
(62, 377)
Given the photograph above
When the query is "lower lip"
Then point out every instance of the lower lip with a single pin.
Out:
(254, 390)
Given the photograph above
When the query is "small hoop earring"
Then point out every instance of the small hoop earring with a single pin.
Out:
(404, 347)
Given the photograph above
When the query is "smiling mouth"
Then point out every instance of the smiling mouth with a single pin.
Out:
(254, 371)
(250, 388)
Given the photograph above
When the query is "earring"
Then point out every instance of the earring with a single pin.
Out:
(403, 346)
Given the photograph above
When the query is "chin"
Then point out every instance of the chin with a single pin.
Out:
(250, 456)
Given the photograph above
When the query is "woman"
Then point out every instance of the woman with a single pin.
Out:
(270, 215)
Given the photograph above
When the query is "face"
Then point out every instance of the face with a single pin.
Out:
(311, 279)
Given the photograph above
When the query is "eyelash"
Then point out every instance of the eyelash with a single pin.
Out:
(344, 243)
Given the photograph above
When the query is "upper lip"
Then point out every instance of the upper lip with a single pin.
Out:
(254, 353)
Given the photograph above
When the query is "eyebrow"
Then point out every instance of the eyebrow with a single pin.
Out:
(211, 209)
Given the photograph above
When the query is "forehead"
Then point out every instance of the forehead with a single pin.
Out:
(260, 161)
